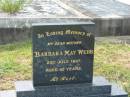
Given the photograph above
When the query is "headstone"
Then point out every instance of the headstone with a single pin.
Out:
(62, 54)
(63, 57)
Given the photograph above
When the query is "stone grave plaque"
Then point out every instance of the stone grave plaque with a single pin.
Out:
(63, 64)
(63, 53)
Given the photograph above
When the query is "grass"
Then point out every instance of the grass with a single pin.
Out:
(15, 64)
(111, 61)
(12, 6)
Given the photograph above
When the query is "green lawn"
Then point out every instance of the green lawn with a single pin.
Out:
(111, 61)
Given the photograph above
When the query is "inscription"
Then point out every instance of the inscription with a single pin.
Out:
(64, 78)
(56, 43)
(75, 68)
(62, 53)
(63, 61)
(61, 33)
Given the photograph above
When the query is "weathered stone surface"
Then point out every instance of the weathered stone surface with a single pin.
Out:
(100, 8)
(110, 16)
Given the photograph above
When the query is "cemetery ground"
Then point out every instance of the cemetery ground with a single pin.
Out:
(112, 60)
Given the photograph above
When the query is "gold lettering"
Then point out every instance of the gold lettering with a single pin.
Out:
(49, 53)
(63, 78)
(51, 62)
(40, 35)
(51, 69)
(54, 79)
(69, 32)
(63, 61)
(54, 33)
(89, 34)
(61, 53)
(76, 68)
(61, 33)
(84, 52)
(73, 42)
(36, 54)
(61, 69)
(50, 43)
(68, 52)
(75, 61)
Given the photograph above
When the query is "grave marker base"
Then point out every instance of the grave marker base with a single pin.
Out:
(100, 88)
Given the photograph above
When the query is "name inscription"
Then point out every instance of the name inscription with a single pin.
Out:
(62, 53)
